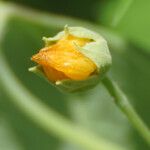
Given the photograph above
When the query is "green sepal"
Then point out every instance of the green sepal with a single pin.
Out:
(97, 50)
(38, 70)
(77, 86)
(68, 85)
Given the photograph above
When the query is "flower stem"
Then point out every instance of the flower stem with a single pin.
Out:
(122, 102)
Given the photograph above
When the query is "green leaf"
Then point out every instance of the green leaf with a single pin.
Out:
(8, 139)
(135, 22)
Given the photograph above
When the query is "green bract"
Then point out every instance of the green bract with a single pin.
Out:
(97, 50)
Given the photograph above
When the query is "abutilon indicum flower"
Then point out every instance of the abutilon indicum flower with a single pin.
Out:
(73, 60)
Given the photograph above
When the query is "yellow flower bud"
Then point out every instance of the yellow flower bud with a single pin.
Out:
(73, 60)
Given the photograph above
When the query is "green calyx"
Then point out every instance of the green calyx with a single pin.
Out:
(96, 50)
(68, 85)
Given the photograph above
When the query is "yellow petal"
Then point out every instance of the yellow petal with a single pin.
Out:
(53, 75)
(64, 58)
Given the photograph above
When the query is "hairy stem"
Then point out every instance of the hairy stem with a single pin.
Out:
(122, 102)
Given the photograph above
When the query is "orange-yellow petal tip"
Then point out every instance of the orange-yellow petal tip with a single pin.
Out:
(63, 61)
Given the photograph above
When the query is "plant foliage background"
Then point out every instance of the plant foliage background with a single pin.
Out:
(128, 21)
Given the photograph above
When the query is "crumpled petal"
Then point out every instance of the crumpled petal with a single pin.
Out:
(62, 60)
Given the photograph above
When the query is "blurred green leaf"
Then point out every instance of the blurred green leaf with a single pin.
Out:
(8, 140)
(135, 21)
